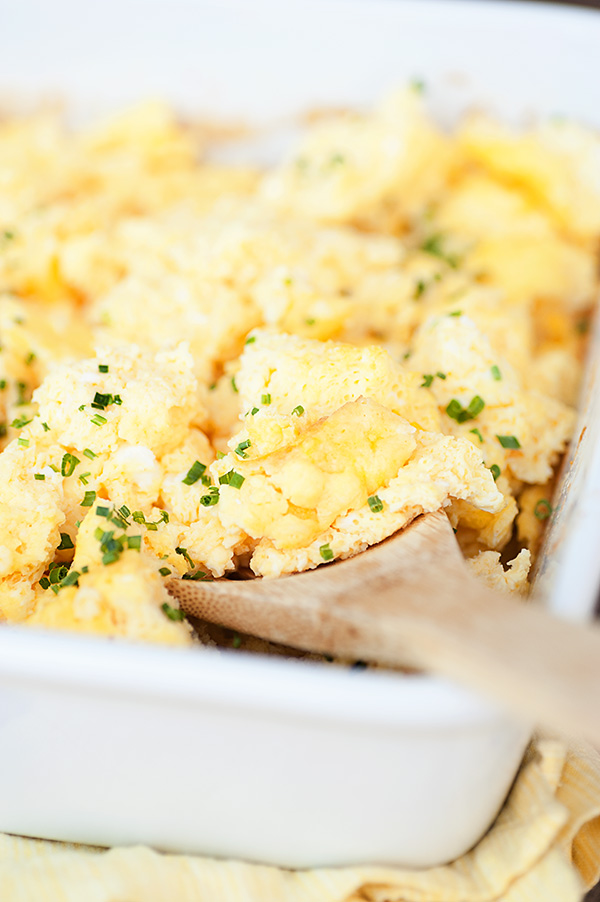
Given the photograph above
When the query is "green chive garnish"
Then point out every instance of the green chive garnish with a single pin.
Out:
(477, 433)
(461, 414)
(495, 471)
(164, 571)
(194, 473)
(89, 453)
(88, 499)
(326, 552)
(298, 411)
(65, 542)
(69, 462)
(39, 476)
(265, 399)
(98, 420)
(172, 613)
(20, 422)
(103, 367)
(496, 374)
(241, 448)
(509, 441)
(375, 503)
(46, 427)
(134, 542)
(24, 442)
(543, 509)
(427, 380)
(183, 552)
(235, 480)
(103, 512)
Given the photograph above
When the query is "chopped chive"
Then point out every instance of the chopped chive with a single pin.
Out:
(70, 579)
(98, 420)
(124, 511)
(495, 471)
(69, 462)
(103, 512)
(138, 517)
(461, 414)
(88, 499)
(65, 542)
(89, 453)
(242, 447)
(110, 557)
(496, 374)
(212, 386)
(134, 542)
(172, 613)
(194, 473)
(206, 480)
(455, 313)
(39, 476)
(22, 421)
(434, 245)
(375, 503)
(310, 321)
(251, 340)
(101, 400)
(220, 455)
(265, 399)
(543, 509)
(30, 358)
(103, 367)
(477, 433)
(326, 552)
(198, 575)
(83, 477)
(234, 385)
(44, 582)
(164, 571)
(46, 427)
(427, 380)
(441, 375)
(298, 411)
(81, 407)
(2, 384)
(22, 399)
(420, 288)
(24, 442)
(254, 411)
(55, 468)
(210, 500)
(509, 441)
(233, 479)
(184, 553)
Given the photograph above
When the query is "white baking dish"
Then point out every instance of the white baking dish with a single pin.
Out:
(224, 753)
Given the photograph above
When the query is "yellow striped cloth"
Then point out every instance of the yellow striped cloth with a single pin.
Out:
(543, 847)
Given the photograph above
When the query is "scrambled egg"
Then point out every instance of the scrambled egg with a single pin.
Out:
(206, 369)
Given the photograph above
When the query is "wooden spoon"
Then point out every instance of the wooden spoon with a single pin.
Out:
(412, 600)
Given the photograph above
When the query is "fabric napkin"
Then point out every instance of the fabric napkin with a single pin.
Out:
(543, 847)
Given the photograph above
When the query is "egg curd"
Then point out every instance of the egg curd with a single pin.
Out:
(206, 368)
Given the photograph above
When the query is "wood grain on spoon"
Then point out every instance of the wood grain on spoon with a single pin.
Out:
(412, 600)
